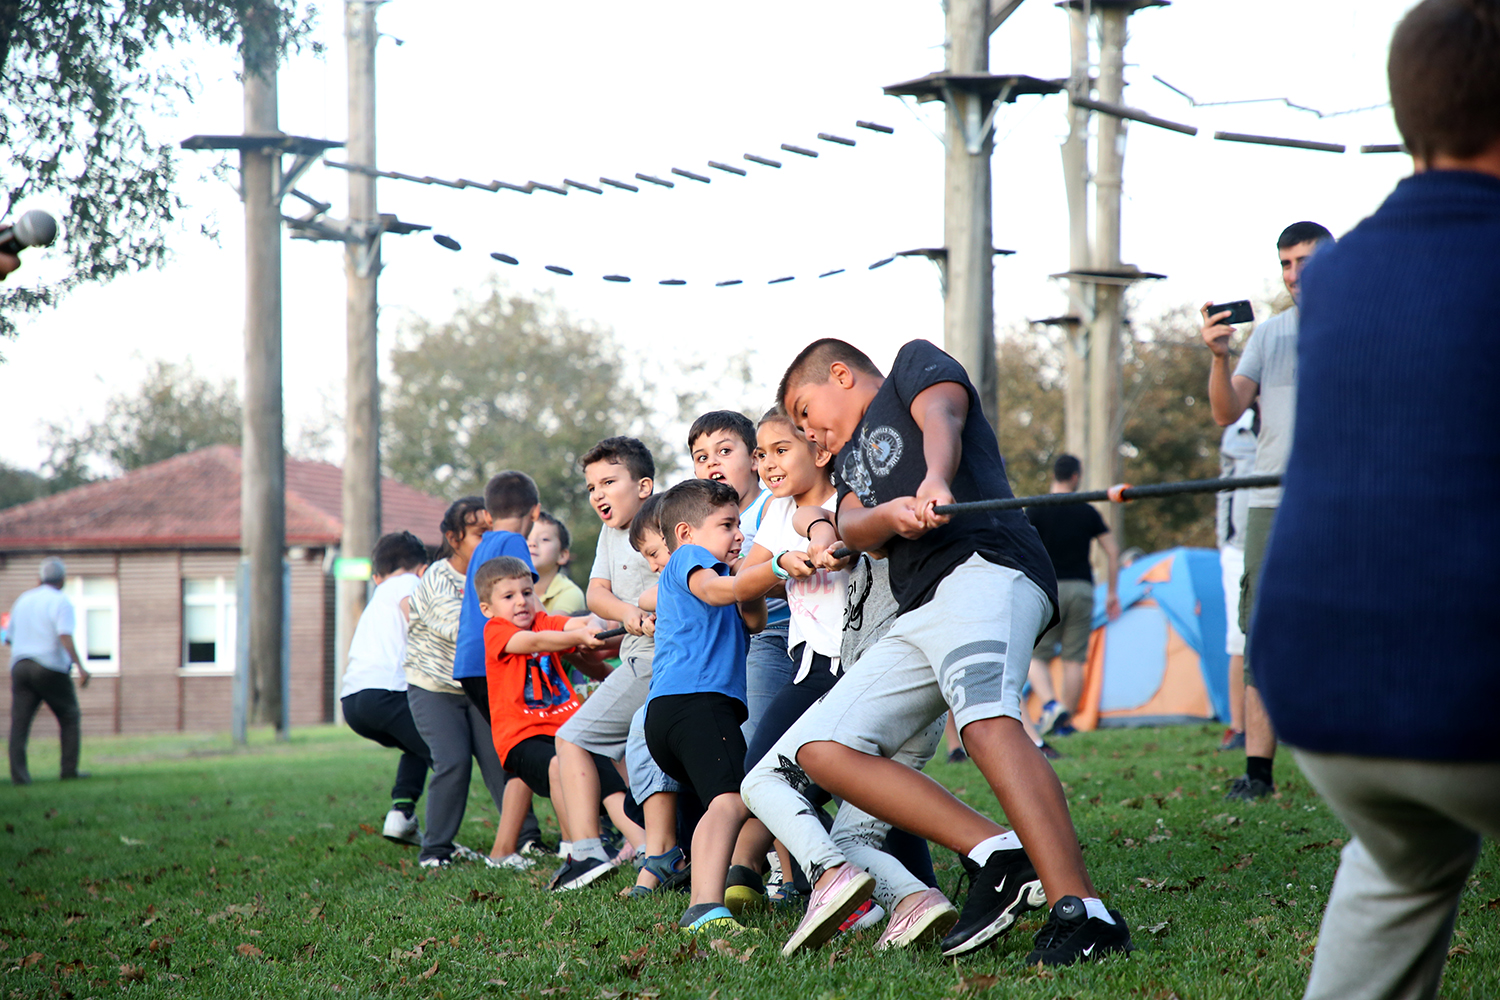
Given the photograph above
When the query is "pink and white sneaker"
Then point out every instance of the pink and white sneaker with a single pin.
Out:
(931, 916)
(827, 908)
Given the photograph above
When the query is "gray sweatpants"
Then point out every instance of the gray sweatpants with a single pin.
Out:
(457, 735)
(967, 649)
(1417, 827)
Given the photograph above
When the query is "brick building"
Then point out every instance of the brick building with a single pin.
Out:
(152, 559)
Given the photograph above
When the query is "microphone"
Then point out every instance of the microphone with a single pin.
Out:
(34, 229)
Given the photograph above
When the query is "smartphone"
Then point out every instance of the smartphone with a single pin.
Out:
(1239, 312)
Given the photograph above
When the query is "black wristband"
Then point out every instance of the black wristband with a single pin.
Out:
(822, 520)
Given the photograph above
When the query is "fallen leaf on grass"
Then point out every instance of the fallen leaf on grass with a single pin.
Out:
(835, 957)
(367, 828)
(149, 917)
(32, 959)
(1157, 929)
(133, 973)
(973, 984)
(248, 950)
(430, 972)
(633, 963)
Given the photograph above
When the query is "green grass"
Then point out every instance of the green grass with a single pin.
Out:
(184, 868)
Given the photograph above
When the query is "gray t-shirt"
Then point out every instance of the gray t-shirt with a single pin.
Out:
(1236, 459)
(629, 576)
(1270, 360)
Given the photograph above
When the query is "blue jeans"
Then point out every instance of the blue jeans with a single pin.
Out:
(768, 669)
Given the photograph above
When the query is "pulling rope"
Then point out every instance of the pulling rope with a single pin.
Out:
(1119, 493)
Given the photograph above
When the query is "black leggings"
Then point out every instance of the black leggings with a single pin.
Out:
(385, 717)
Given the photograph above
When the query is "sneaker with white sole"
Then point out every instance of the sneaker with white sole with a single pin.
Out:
(516, 862)
(1071, 935)
(932, 916)
(827, 908)
(1000, 890)
(1053, 713)
(401, 828)
(868, 914)
(434, 863)
(576, 873)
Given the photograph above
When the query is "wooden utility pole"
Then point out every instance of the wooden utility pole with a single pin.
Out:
(1102, 466)
(969, 305)
(263, 479)
(1075, 157)
(362, 269)
(972, 95)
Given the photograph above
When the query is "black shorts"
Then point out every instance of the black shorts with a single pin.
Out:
(530, 759)
(696, 739)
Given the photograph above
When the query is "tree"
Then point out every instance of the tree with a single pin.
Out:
(19, 485)
(76, 77)
(174, 411)
(1169, 433)
(511, 383)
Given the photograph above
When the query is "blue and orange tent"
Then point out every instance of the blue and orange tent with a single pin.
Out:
(1163, 660)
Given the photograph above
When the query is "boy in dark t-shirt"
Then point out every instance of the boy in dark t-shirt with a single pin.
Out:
(973, 591)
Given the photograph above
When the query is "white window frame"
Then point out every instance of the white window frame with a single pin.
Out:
(224, 601)
(82, 605)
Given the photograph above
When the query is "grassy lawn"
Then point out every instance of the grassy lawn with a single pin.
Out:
(183, 868)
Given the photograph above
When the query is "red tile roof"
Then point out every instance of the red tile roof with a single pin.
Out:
(193, 501)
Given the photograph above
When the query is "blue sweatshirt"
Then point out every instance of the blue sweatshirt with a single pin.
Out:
(1374, 632)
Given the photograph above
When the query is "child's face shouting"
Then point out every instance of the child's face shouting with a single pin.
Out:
(722, 455)
(614, 495)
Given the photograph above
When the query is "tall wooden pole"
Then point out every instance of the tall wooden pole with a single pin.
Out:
(263, 479)
(362, 268)
(1075, 157)
(969, 304)
(1103, 466)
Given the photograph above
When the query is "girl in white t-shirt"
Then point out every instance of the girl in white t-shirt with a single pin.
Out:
(800, 479)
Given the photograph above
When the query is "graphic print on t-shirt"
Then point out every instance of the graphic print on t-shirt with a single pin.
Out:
(544, 685)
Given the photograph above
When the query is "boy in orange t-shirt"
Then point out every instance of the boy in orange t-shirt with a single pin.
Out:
(528, 686)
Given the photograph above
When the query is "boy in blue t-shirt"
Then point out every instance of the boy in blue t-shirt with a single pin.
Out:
(697, 699)
(513, 503)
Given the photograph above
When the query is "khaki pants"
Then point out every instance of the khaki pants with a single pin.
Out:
(1417, 828)
(1258, 521)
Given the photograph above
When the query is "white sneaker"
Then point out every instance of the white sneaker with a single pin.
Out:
(433, 863)
(401, 828)
(515, 862)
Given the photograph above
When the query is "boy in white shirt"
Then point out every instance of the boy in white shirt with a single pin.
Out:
(373, 694)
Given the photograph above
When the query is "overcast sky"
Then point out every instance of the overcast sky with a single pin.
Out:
(518, 92)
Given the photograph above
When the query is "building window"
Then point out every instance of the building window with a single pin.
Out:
(96, 612)
(208, 625)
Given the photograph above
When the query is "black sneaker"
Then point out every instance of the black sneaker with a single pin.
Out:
(1000, 890)
(576, 873)
(1248, 789)
(1071, 935)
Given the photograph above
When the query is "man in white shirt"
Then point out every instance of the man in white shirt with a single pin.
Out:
(42, 657)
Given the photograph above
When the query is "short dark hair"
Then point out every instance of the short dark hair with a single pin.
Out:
(1302, 232)
(812, 364)
(460, 514)
(646, 519)
(396, 551)
(1066, 467)
(722, 420)
(564, 539)
(692, 502)
(510, 494)
(1444, 75)
(497, 569)
(626, 451)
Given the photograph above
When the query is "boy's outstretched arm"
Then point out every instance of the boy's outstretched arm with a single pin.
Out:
(555, 641)
(940, 411)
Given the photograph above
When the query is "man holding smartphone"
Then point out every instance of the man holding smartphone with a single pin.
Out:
(1267, 371)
